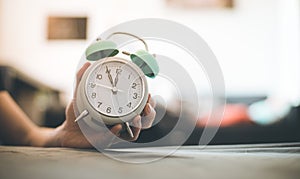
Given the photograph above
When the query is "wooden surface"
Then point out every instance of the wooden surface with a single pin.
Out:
(232, 161)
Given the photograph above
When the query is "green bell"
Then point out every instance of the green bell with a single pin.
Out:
(101, 49)
(146, 62)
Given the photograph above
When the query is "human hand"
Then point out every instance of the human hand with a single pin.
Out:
(70, 135)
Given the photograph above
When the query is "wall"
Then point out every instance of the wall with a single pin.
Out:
(246, 39)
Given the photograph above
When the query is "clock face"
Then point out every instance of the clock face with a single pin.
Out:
(115, 87)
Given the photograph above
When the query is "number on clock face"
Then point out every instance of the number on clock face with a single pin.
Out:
(114, 88)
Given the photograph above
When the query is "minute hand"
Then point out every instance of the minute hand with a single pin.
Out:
(109, 76)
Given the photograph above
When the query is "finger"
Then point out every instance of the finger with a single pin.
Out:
(79, 76)
(109, 137)
(70, 115)
(81, 71)
(149, 116)
(151, 101)
(116, 129)
(135, 127)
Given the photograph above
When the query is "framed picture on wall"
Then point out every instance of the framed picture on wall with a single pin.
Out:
(66, 28)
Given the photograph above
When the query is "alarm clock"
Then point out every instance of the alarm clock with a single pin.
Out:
(114, 90)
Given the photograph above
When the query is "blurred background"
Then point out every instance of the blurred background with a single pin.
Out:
(256, 42)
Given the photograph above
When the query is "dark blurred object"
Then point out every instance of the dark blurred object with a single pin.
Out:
(246, 100)
(55, 113)
(6, 76)
(34, 97)
(233, 114)
(54, 116)
(285, 130)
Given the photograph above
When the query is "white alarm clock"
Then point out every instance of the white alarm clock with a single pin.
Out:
(114, 90)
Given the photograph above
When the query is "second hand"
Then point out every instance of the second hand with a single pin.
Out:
(108, 87)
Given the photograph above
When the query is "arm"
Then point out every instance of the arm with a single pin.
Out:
(17, 129)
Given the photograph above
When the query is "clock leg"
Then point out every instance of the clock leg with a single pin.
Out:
(129, 129)
(82, 115)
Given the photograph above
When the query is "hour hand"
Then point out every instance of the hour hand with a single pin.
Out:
(109, 76)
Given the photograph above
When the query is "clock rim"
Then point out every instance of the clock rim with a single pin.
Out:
(111, 119)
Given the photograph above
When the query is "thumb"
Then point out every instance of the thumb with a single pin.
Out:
(79, 76)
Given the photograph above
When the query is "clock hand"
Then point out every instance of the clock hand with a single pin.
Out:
(108, 87)
(128, 129)
(116, 79)
(109, 76)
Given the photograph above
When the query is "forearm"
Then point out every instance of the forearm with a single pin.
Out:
(44, 137)
(17, 128)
